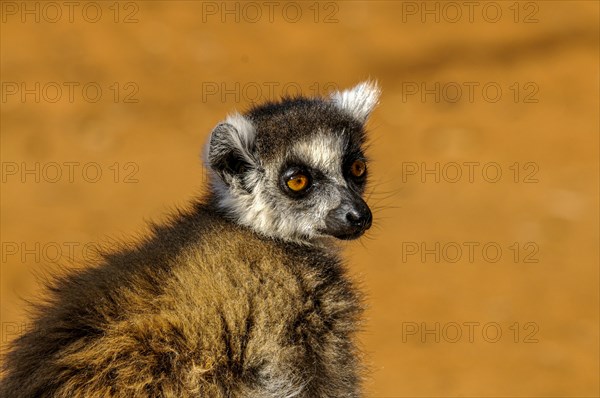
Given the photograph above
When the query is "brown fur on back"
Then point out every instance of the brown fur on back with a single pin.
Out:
(203, 308)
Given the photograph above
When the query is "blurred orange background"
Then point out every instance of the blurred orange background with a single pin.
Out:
(482, 271)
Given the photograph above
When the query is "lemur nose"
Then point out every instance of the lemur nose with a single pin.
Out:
(353, 217)
(350, 219)
(357, 218)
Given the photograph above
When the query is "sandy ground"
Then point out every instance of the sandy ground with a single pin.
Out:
(482, 269)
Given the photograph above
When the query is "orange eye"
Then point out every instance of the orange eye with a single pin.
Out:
(358, 168)
(298, 182)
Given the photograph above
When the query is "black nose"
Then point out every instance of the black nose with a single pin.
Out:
(357, 218)
(350, 219)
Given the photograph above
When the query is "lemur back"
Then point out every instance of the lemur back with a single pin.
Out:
(242, 295)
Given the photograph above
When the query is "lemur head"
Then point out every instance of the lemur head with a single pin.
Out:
(295, 170)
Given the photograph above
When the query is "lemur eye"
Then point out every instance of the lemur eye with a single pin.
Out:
(358, 168)
(298, 182)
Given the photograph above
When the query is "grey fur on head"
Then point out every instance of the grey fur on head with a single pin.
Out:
(248, 153)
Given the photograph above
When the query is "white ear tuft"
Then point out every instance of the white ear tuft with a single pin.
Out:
(358, 101)
(244, 131)
(230, 144)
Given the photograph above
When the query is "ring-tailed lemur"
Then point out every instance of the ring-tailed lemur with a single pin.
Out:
(243, 295)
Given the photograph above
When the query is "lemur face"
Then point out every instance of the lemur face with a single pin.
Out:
(295, 170)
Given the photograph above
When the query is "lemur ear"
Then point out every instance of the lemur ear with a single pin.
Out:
(358, 101)
(230, 147)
